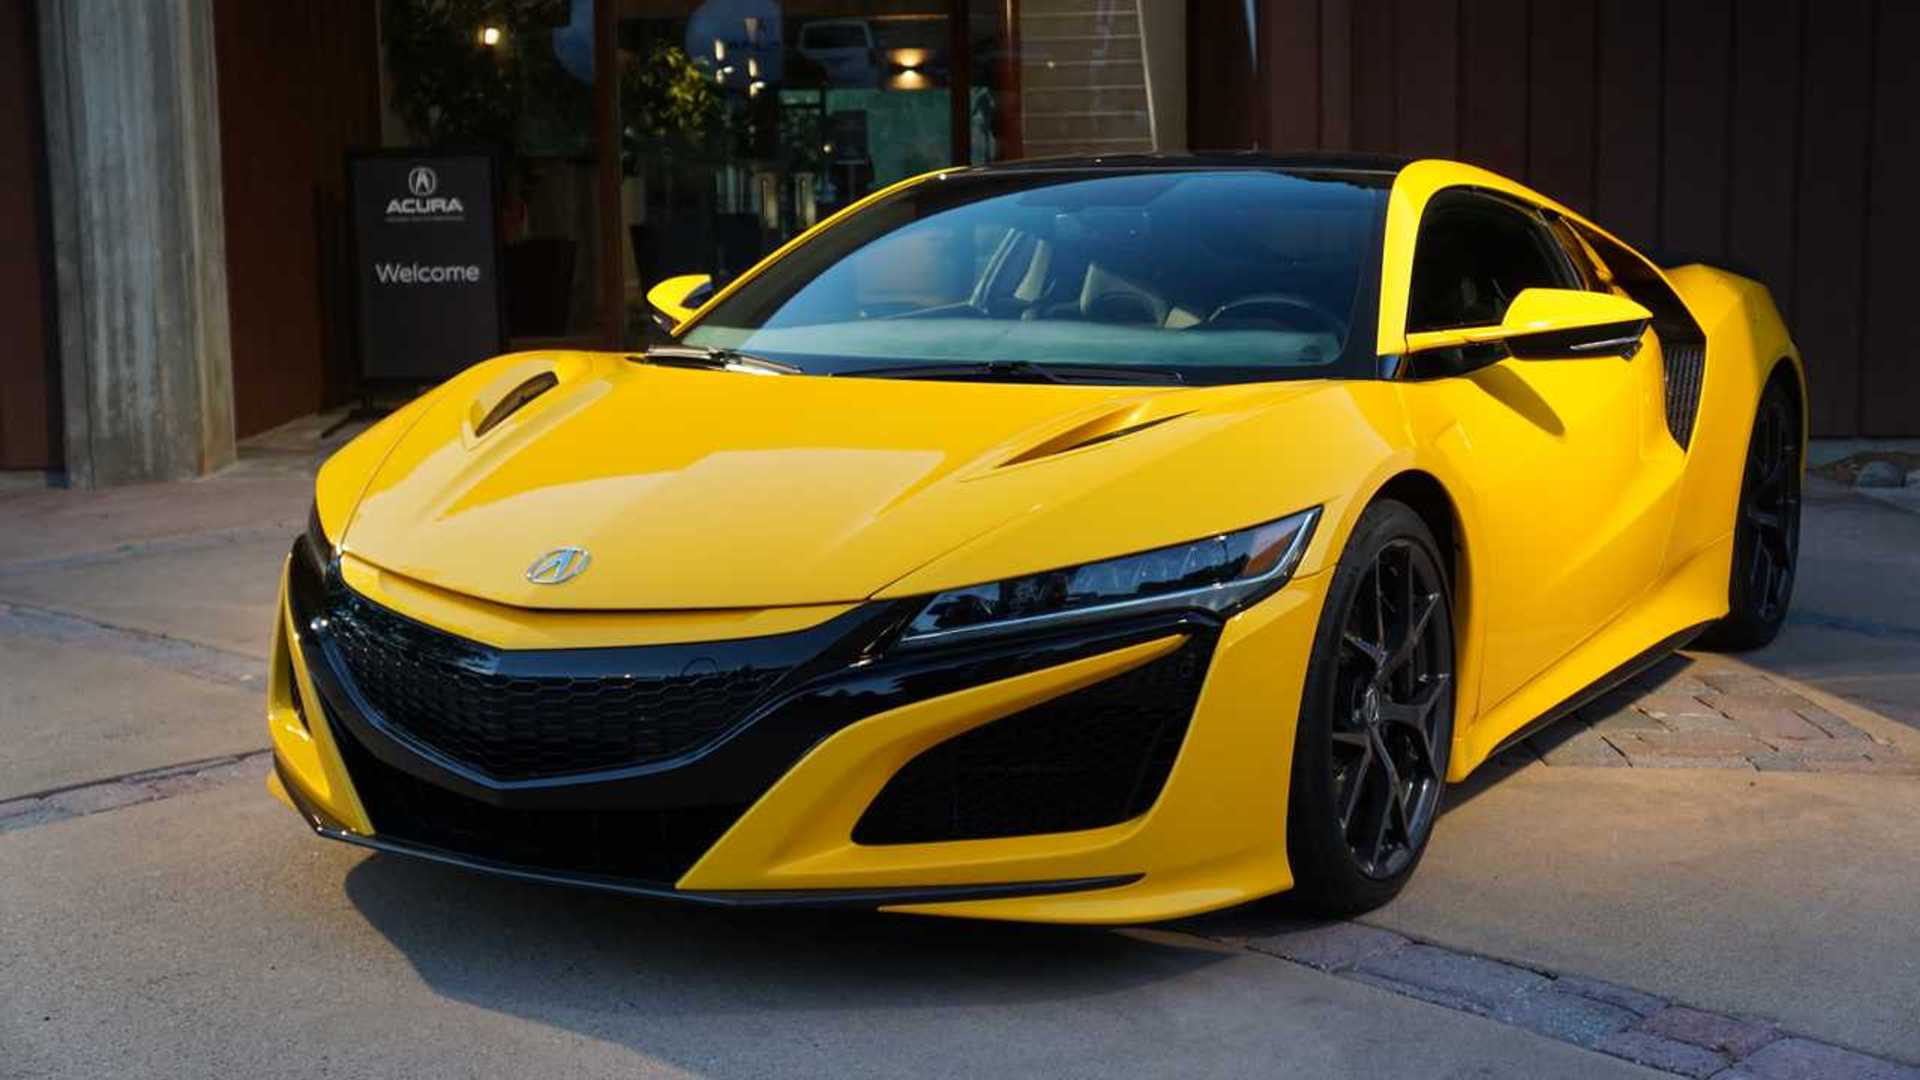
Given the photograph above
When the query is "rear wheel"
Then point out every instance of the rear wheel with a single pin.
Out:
(1766, 536)
(1376, 718)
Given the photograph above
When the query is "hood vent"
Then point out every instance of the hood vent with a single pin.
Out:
(1111, 426)
(514, 400)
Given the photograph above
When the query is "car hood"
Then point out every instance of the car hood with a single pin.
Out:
(702, 489)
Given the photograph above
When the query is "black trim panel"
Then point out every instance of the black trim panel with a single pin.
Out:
(326, 827)
(1640, 662)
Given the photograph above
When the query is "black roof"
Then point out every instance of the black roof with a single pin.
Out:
(1339, 161)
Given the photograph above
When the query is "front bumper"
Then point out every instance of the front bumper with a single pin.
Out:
(777, 802)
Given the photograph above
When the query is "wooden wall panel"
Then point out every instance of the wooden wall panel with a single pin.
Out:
(1890, 377)
(1765, 118)
(1831, 209)
(299, 85)
(1495, 57)
(1426, 109)
(1560, 94)
(1776, 138)
(1336, 69)
(1291, 47)
(1693, 174)
(29, 386)
(1373, 69)
(1220, 81)
(1626, 133)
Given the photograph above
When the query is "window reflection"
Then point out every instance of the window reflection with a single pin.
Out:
(737, 124)
(744, 122)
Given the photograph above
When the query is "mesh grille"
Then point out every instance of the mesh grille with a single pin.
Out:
(654, 845)
(1686, 366)
(466, 702)
(1098, 756)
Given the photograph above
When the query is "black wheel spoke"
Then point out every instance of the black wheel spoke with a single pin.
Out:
(1380, 602)
(1375, 655)
(1356, 784)
(1377, 852)
(1417, 627)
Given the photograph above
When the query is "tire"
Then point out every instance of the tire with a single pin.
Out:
(1766, 534)
(1376, 718)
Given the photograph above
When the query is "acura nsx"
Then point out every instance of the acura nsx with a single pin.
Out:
(1096, 540)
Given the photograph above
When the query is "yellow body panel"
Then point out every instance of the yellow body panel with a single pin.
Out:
(305, 751)
(725, 506)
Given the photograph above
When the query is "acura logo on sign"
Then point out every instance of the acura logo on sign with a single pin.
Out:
(559, 566)
(421, 204)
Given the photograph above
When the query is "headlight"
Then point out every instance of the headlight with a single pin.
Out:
(1219, 574)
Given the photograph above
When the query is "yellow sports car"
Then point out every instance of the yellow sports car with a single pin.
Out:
(1078, 541)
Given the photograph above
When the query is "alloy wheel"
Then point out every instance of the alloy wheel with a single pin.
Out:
(1770, 508)
(1393, 704)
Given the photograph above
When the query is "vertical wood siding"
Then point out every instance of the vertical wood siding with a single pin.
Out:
(1780, 138)
(29, 383)
(297, 90)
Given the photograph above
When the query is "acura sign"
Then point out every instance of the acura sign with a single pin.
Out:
(426, 263)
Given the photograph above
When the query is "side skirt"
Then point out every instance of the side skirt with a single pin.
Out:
(1587, 694)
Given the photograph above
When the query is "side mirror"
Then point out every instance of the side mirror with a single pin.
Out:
(679, 297)
(1544, 324)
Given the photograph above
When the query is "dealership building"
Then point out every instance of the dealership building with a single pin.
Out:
(183, 262)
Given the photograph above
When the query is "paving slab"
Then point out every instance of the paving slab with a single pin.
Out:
(69, 715)
(1785, 896)
(219, 593)
(58, 523)
(207, 935)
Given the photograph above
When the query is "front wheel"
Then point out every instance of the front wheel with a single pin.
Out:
(1376, 718)
(1766, 535)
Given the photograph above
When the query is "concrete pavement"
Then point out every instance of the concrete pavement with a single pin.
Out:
(1855, 623)
(206, 935)
(181, 923)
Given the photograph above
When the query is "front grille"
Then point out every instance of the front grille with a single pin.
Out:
(652, 846)
(1685, 367)
(498, 713)
(1095, 757)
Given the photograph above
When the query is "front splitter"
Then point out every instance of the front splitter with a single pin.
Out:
(325, 826)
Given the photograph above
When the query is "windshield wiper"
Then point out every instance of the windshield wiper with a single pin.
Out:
(709, 359)
(1021, 371)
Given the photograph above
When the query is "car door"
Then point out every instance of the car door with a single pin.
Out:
(1571, 463)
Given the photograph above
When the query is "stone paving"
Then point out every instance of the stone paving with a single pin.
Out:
(1620, 1021)
(1704, 712)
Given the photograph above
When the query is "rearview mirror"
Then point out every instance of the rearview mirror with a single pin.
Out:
(678, 297)
(1544, 324)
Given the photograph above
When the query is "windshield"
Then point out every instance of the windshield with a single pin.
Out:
(1213, 275)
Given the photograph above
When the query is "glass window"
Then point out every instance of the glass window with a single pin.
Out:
(745, 122)
(518, 77)
(1584, 264)
(1475, 254)
(1218, 275)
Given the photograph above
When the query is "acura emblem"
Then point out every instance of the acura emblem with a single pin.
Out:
(422, 181)
(559, 566)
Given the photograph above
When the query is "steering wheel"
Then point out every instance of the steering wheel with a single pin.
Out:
(1268, 308)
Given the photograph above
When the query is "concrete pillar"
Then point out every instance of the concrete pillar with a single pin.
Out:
(133, 164)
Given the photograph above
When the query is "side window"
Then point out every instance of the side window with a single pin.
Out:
(1592, 278)
(1474, 254)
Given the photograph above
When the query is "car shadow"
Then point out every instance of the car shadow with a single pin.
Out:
(614, 967)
